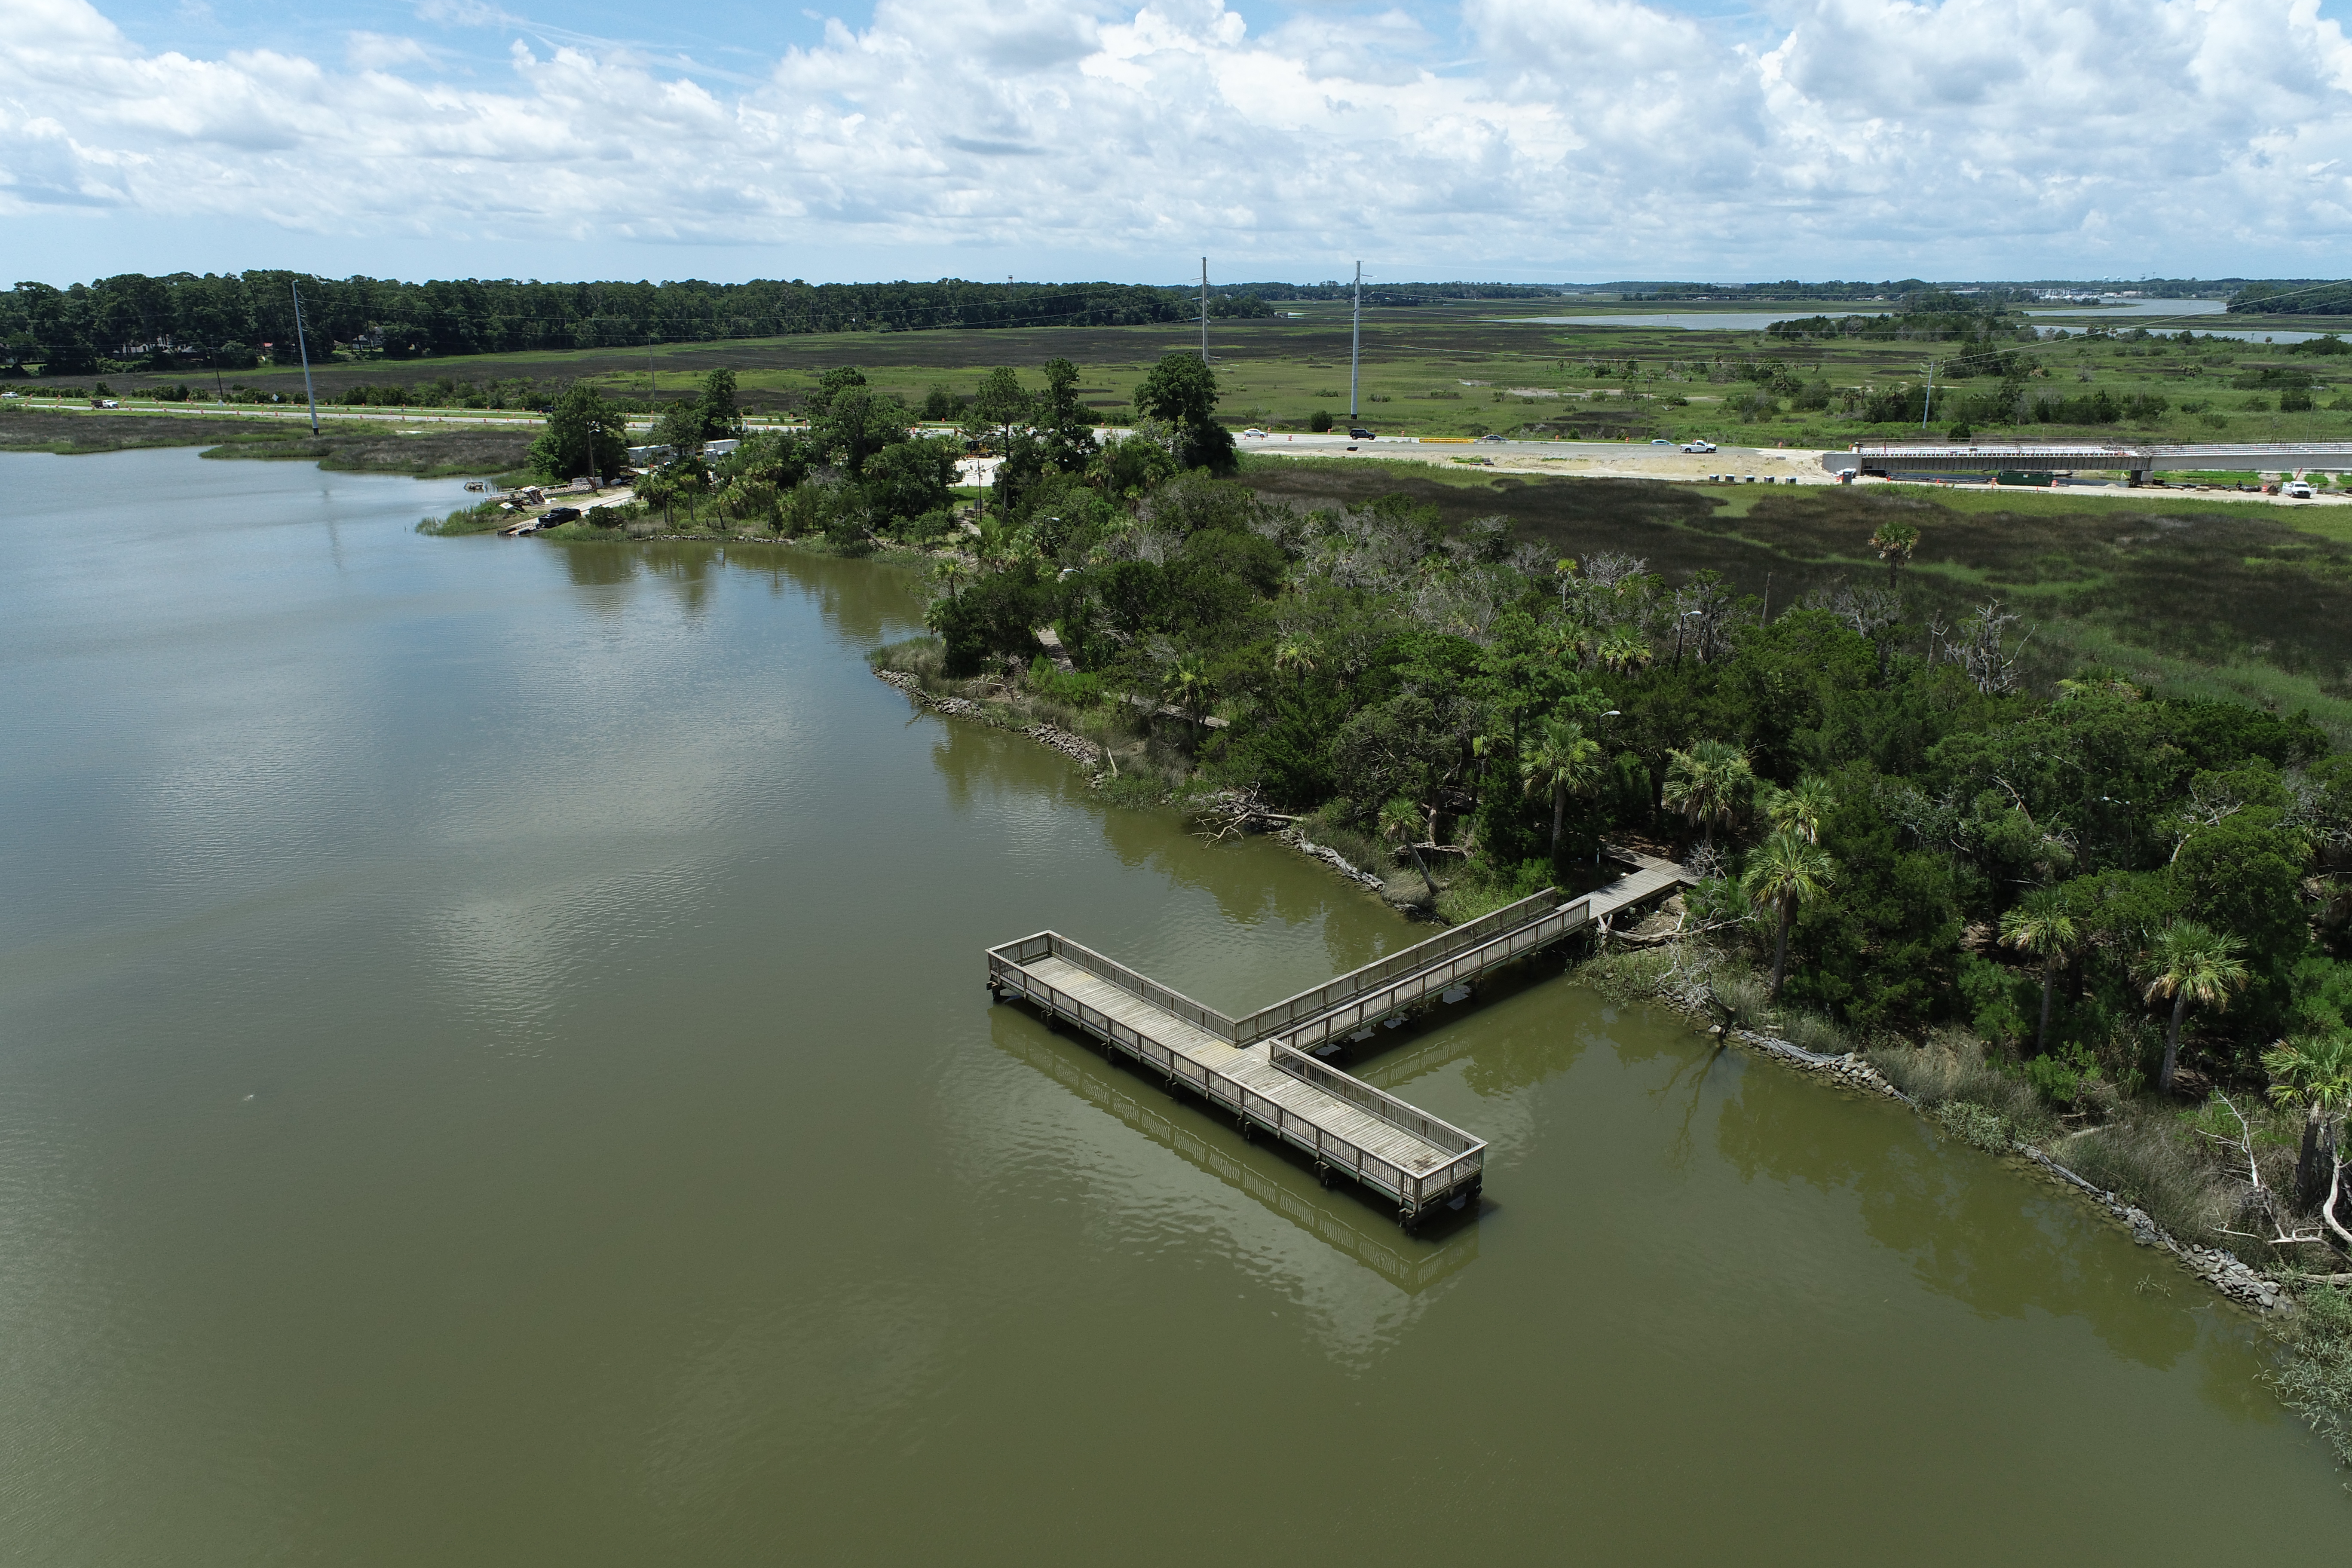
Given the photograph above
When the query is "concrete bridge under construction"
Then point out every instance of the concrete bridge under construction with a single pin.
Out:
(2139, 462)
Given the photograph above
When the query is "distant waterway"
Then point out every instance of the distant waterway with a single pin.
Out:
(2127, 313)
(495, 1069)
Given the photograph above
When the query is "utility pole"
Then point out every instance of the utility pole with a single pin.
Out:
(1929, 407)
(1355, 341)
(1204, 310)
(301, 344)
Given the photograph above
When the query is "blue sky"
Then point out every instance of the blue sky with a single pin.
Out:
(1543, 140)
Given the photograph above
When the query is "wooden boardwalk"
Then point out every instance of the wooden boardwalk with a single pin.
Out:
(1261, 1067)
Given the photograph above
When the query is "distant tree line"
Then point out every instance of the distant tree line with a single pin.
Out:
(2294, 297)
(230, 321)
(223, 321)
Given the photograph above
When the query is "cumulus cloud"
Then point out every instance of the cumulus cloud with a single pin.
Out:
(1583, 137)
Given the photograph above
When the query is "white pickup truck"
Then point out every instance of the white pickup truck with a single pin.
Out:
(1698, 445)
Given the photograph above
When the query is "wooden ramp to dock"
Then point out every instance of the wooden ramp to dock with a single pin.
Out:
(1261, 1066)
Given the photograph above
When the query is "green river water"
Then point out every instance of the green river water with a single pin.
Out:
(495, 1069)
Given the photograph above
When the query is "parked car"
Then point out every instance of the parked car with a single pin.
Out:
(1698, 445)
(1357, 433)
(558, 514)
(2298, 489)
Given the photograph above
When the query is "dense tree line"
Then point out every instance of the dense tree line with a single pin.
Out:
(223, 320)
(1940, 318)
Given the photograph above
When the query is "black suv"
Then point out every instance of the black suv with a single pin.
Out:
(1357, 433)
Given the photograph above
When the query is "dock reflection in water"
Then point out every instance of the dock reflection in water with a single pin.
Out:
(1338, 1217)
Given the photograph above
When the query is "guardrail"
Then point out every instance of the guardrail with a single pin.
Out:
(1377, 1004)
(1275, 1019)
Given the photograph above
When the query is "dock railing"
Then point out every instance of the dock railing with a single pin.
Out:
(1378, 1102)
(1417, 1187)
(1277, 1018)
(1373, 1005)
(1053, 944)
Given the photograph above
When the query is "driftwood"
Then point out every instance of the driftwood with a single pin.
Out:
(1229, 812)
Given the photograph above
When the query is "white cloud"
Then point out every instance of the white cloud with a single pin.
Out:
(464, 13)
(377, 51)
(1585, 138)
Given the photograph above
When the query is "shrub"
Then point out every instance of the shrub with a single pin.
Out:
(928, 528)
(1976, 1124)
(1074, 688)
(1319, 420)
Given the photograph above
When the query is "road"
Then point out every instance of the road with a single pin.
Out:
(1612, 459)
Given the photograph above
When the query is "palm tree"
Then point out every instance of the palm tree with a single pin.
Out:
(2190, 962)
(951, 571)
(1705, 784)
(1621, 652)
(1563, 761)
(1188, 683)
(1400, 824)
(1895, 541)
(2042, 927)
(2317, 1074)
(1296, 656)
(1800, 809)
(1786, 869)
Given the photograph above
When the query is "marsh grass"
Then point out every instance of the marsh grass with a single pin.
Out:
(1951, 1067)
(2194, 597)
(482, 517)
(1359, 848)
(2314, 1377)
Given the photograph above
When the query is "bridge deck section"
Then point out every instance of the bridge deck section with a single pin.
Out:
(1250, 1067)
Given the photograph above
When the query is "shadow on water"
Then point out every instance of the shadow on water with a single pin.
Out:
(1509, 1053)
(1340, 1218)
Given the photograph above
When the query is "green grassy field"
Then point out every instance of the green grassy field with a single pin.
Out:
(1453, 369)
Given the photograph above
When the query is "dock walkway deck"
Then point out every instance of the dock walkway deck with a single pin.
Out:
(1261, 1066)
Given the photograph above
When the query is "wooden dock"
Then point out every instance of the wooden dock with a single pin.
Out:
(1262, 1068)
